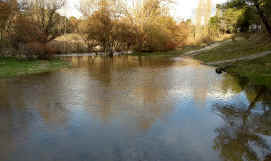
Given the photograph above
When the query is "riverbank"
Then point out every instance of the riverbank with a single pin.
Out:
(11, 67)
(256, 70)
(172, 53)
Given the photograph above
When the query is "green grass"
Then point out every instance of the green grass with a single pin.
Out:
(173, 53)
(11, 67)
(234, 49)
(258, 71)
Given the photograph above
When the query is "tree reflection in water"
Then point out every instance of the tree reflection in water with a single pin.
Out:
(244, 136)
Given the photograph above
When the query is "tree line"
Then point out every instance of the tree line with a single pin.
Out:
(113, 25)
(242, 16)
(30, 26)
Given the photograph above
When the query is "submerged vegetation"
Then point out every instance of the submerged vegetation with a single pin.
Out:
(10, 67)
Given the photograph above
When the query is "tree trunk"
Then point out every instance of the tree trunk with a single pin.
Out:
(263, 17)
(1, 34)
(110, 53)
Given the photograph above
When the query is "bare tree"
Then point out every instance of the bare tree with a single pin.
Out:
(8, 10)
(88, 7)
(43, 14)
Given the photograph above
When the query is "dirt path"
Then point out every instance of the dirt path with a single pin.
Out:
(212, 46)
(250, 57)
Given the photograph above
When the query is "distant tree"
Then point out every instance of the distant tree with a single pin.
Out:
(214, 27)
(5, 11)
(184, 29)
(8, 9)
(249, 17)
(35, 24)
(158, 30)
(74, 22)
(100, 26)
(262, 8)
(89, 7)
(147, 26)
(233, 16)
(106, 26)
(83, 31)
(124, 35)
(40, 18)
(231, 19)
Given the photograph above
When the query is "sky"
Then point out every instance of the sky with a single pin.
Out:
(187, 8)
(184, 9)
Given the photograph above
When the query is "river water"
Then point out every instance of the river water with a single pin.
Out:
(131, 108)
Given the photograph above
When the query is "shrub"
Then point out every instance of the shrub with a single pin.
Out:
(34, 50)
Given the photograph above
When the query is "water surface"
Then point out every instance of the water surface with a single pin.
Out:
(133, 109)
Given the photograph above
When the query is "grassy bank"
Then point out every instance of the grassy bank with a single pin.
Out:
(11, 67)
(257, 71)
(235, 49)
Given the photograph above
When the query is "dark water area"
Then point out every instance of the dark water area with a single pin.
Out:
(129, 108)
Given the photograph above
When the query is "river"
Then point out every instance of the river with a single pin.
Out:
(129, 108)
